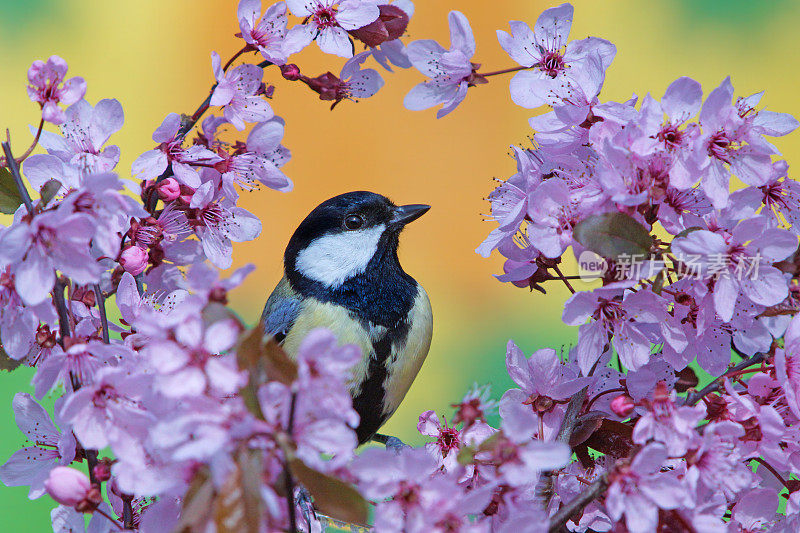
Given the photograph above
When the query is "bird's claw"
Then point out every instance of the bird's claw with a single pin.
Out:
(306, 505)
(391, 443)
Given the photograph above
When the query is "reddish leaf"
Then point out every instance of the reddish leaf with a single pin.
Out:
(332, 496)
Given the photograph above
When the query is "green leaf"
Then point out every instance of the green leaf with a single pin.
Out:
(10, 199)
(332, 497)
(612, 235)
(49, 190)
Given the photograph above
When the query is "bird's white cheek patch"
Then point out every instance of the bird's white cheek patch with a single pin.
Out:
(333, 259)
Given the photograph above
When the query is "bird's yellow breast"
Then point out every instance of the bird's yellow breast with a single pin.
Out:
(406, 356)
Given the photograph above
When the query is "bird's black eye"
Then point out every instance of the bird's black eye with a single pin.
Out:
(353, 221)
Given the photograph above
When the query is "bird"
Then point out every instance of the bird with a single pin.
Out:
(342, 272)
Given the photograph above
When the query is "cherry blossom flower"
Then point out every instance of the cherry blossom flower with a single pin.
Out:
(48, 87)
(353, 82)
(327, 22)
(545, 386)
(237, 92)
(51, 240)
(740, 262)
(85, 130)
(266, 32)
(67, 486)
(170, 153)
(548, 55)
(32, 465)
(667, 423)
(449, 440)
(217, 225)
(639, 490)
(450, 71)
(733, 136)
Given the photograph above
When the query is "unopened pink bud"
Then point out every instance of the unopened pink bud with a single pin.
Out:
(622, 405)
(102, 470)
(133, 259)
(169, 189)
(290, 71)
(67, 486)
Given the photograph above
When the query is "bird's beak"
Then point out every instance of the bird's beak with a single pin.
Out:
(404, 214)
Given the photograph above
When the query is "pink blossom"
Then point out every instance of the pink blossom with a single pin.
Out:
(258, 163)
(236, 91)
(84, 133)
(266, 32)
(170, 152)
(551, 59)
(606, 309)
(639, 490)
(217, 225)
(326, 21)
(449, 70)
(51, 240)
(668, 424)
(169, 190)
(740, 262)
(67, 486)
(45, 87)
(133, 259)
(31, 465)
(733, 136)
(107, 411)
(450, 440)
(546, 385)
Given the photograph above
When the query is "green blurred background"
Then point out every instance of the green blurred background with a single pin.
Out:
(154, 57)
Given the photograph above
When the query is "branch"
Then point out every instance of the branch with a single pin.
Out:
(577, 504)
(127, 511)
(715, 385)
(288, 479)
(101, 306)
(152, 201)
(14, 168)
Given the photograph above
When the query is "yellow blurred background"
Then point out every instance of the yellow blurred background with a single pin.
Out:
(154, 57)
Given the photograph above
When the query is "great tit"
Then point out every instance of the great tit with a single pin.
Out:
(341, 272)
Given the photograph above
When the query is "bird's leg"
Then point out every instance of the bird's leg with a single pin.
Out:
(306, 504)
(391, 443)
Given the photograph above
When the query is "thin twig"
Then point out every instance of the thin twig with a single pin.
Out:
(127, 511)
(504, 71)
(103, 513)
(609, 391)
(101, 306)
(66, 331)
(22, 158)
(63, 314)
(563, 278)
(288, 479)
(714, 386)
(578, 503)
(14, 168)
(247, 48)
(774, 472)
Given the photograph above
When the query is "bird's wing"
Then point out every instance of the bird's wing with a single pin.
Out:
(281, 310)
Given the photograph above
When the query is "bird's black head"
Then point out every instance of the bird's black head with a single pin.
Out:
(341, 237)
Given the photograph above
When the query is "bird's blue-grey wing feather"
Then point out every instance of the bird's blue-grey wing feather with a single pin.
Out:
(281, 310)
